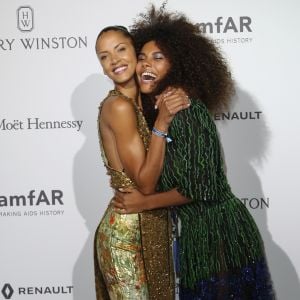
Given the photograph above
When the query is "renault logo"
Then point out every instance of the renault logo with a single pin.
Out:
(7, 291)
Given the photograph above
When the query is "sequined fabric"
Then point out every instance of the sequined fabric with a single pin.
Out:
(157, 252)
(132, 252)
(218, 236)
(249, 283)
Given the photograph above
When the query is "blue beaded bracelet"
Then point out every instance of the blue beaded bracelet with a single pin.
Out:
(161, 134)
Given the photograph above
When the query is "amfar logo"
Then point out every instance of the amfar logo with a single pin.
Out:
(7, 291)
(25, 18)
(33, 204)
(34, 198)
(224, 25)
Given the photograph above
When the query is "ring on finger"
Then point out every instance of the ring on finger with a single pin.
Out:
(121, 210)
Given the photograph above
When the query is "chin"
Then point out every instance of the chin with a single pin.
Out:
(123, 80)
(147, 89)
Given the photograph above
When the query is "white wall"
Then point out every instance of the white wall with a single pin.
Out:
(48, 245)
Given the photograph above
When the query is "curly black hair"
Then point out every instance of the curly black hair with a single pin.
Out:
(197, 65)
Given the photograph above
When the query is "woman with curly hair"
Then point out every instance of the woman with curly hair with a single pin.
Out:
(219, 252)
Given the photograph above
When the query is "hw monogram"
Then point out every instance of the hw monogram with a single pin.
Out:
(25, 18)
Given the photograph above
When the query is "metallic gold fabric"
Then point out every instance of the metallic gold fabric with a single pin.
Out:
(133, 252)
(157, 252)
(120, 258)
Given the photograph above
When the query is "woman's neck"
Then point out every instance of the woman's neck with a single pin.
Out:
(129, 89)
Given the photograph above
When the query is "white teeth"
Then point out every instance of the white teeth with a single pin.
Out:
(119, 69)
(148, 76)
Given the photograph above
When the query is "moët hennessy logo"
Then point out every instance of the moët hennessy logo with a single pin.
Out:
(25, 18)
(7, 291)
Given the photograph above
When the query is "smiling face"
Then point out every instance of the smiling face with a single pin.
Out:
(117, 56)
(152, 67)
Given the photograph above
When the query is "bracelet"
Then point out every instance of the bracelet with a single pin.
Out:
(161, 134)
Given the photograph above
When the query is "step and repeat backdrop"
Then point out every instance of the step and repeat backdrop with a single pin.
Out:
(53, 187)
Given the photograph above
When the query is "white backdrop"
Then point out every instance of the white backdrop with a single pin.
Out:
(53, 187)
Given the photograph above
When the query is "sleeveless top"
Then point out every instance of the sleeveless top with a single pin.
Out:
(155, 226)
(120, 178)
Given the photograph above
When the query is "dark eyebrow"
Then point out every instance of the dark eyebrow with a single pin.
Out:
(119, 45)
(154, 53)
(100, 52)
(158, 52)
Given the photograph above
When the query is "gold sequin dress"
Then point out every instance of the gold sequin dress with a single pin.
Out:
(132, 252)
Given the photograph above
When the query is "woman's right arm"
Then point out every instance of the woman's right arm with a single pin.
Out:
(133, 201)
(193, 170)
(143, 168)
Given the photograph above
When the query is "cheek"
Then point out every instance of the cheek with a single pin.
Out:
(165, 69)
(134, 62)
(104, 66)
(138, 67)
(130, 56)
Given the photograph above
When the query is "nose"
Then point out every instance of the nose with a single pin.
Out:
(114, 59)
(146, 63)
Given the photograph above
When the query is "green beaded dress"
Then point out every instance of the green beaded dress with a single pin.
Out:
(220, 253)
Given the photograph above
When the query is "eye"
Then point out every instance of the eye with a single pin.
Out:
(103, 57)
(158, 56)
(140, 57)
(121, 49)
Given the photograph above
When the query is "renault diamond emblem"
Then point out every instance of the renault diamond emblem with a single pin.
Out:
(7, 291)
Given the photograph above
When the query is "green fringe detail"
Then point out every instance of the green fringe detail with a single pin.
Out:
(223, 237)
(217, 231)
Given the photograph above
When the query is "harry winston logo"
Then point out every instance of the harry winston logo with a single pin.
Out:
(25, 18)
(7, 291)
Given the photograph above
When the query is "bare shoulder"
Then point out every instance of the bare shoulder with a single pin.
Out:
(118, 104)
(118, 113)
